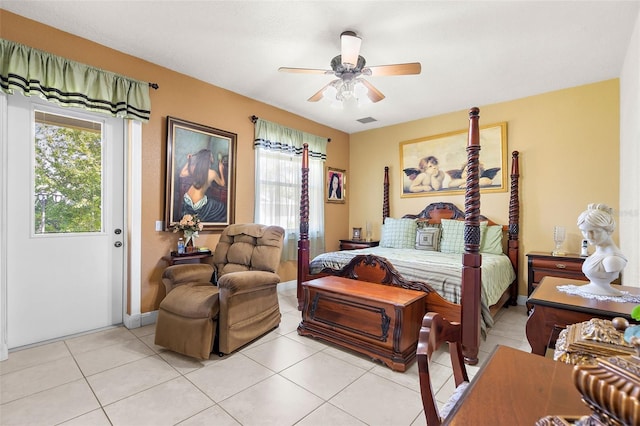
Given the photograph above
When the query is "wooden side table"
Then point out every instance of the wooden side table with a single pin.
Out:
(176, 259)
(555, 309)
(543, 264)
(357, 244)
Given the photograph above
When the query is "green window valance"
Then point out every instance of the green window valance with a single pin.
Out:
(274, 137)
(70, 83)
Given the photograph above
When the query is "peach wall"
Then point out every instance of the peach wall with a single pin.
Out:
(193, 100)
(569, 145)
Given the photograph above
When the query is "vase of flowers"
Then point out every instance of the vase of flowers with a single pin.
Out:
(190, 225)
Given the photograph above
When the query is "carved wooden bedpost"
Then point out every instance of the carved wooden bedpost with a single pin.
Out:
(514, 221)
(385, 198)
(471, 259)
(303, 241)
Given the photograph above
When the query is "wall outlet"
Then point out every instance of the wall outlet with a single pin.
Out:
(159, 225)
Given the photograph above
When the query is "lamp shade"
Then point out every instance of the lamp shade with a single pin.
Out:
(350, 49)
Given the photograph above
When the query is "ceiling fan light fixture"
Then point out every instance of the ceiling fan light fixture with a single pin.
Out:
(341, 92)
(360, 90)
(330, 92)
(350, 43)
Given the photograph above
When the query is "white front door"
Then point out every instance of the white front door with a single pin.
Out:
(65, 219)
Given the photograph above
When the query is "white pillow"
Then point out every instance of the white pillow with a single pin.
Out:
(398, 233)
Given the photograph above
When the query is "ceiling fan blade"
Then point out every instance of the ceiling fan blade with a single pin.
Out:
(319, 94)
(374, 94)
(305, 70)
(349, 49)
(395, 69)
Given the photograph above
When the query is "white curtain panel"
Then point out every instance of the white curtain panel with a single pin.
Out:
(278, 153)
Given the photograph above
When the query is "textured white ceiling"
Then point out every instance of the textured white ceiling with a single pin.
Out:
(473, 53)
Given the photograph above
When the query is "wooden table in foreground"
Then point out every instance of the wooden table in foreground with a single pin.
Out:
(553, 308)
(517, 388)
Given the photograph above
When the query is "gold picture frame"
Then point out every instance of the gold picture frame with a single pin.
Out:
(435, 165)
(187, 142)
(336, 185)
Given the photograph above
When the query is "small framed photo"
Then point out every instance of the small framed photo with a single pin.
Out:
(336, 185)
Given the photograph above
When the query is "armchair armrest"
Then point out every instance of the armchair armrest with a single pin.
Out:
(194, 274)
(234, 283)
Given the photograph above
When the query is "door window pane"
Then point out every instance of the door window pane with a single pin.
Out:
(67, 174)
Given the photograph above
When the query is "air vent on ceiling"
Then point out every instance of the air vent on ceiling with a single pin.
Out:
(366, 120)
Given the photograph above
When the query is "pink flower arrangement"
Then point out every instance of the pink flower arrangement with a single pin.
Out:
(190, 225)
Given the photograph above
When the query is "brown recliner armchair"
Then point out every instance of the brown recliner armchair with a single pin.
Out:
(246, 260)
(242, 307)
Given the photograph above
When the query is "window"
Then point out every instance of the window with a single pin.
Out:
(278, 184)
(67, 174)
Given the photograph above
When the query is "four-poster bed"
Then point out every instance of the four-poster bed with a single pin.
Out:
(467, 307)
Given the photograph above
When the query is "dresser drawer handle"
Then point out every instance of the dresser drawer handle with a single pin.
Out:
(561, 265)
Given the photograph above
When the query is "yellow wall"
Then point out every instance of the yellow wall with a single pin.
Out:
(193, 100)
(569, 156)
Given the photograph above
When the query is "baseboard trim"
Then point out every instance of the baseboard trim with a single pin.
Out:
(140, 320)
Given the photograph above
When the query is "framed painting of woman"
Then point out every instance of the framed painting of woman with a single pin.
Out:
(336, 185)
(200, 177)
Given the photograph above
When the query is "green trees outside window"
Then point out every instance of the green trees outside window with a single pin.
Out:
(67, 174)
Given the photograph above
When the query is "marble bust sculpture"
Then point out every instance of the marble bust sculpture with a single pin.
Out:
(605, 264)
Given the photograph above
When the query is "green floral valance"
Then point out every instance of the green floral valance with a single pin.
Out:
(69, 83)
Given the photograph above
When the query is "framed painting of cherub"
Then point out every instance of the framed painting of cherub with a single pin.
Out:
(436, 165)
(201, 174)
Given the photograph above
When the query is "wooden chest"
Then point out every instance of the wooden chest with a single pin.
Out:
(377, 320)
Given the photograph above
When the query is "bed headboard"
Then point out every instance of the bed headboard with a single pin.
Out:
(435, 212)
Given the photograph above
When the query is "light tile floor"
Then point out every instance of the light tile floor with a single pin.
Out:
(119, 377)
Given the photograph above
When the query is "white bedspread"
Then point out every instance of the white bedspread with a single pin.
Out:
(442, 271)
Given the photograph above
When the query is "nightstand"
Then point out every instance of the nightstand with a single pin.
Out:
(543, 264)
(357, 244)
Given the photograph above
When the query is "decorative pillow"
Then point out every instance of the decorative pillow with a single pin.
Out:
(428, 239)
(452, 240)
(398, 233)
(491, 241)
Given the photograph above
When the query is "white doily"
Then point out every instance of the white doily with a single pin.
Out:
(576, 290)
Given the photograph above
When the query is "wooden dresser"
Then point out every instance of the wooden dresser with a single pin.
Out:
(377, 320)
(543, 264)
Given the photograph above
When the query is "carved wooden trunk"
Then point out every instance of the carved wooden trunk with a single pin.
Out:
(377, 320)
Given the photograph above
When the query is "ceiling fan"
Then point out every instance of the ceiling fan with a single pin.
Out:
(349, 67)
